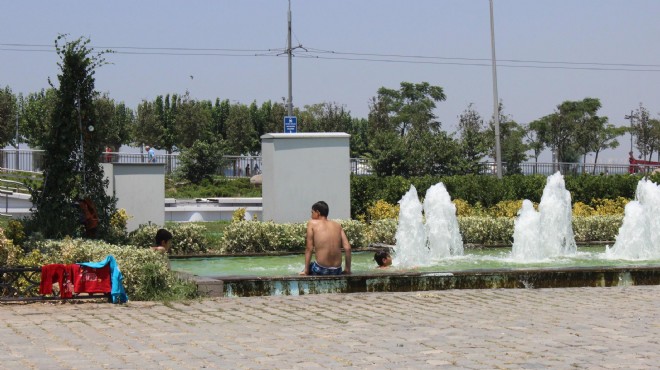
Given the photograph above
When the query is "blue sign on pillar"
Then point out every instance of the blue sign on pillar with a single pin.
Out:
(290, 124)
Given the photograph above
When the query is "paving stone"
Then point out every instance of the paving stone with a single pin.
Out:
(477, 329)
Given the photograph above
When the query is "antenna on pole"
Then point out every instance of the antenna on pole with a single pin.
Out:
(289, 51)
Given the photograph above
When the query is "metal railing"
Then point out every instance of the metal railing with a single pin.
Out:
(31, 161)
(22, 284)
(547, 169)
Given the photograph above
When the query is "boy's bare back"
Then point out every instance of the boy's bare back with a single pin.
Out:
(327, 241)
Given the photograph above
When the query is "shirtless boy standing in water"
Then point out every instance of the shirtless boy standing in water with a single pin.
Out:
(325, 238)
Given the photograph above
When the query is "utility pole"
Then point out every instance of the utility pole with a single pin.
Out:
(289, 51)
(631, 117)
(17, 161)
(496, 109)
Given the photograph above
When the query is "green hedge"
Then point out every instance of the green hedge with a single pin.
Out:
(264, 237)
(488, 190)
(187, 238)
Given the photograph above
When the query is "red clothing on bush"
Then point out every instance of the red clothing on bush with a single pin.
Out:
(60, 274)
(91, 280)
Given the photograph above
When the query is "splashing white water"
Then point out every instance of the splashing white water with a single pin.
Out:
(444, 237)
(420, 244)
(411, 243)
(639, 235)
(549, 232)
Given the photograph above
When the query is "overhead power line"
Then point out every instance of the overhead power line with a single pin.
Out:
(313, 53)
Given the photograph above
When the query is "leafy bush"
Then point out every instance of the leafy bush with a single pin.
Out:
(15, 232)
(200, 161)
(187, 238)
(462, 207)
(131, 260)
(382, 231)
(581, 210)
(596, 228)
(488, 191)
(356, 232)
(605, 207)
(10, 253)
(505, 208)
(486, 230)
(261, 237)
(381, 210)
(238, 215)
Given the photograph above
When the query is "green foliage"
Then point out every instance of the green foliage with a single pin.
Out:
(10, 254)
(382, 231)
(199, 162)
(216, 187)
(15, 231)
(36, 115)
(238, 215)
(263, 237)
(187, 238)
(71, 165)
(380, 210)
(585, 188)
(486, 230)
(596, 228)
(487, 191)
(356, 232)
(8, 108)
(138, 280)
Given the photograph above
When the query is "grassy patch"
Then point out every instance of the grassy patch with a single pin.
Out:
(218, 187)
(215, 230)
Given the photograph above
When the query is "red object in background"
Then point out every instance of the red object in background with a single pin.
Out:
(635, 164)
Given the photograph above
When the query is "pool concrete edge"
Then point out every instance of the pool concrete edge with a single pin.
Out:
(569, 277)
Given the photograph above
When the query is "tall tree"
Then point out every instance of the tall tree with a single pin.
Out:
(512, 147)
(411, 107)
(473, 141)
(404, 120)
(607, 140)
(8, 110)
(72, 171)
(36, 114)
(645, 140)
(148, 128)
(115, 121)
(240, 131)
(192, 120)
(219, 116)
(588, 125)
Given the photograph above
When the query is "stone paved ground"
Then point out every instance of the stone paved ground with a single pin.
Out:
(475, 329)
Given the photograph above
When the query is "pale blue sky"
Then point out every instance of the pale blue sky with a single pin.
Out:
(608, 36)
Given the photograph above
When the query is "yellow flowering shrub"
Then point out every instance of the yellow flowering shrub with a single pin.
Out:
(463, 208)
(10, 254)
(605, 207)
(581, 210)
(119, 219)
(505, 208)
(238, 215)
(381, 210)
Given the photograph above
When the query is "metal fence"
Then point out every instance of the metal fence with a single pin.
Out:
(247, 166)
